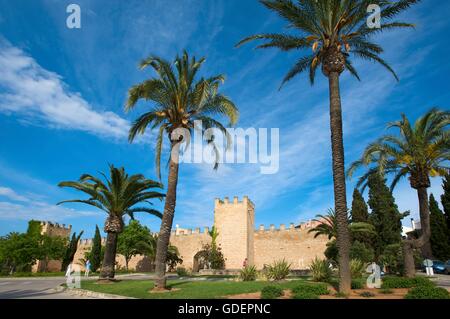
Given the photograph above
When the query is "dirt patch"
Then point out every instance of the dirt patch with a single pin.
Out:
(257, 295)
(253, 295)
(355, 294)
(163, 291)
(107, 281)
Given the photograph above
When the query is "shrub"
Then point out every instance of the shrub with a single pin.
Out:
(357, 268)
(428, 292)
(249, 273)
(332, 251)
(341, 295)
(386, 291)
(367, 294)
(401, 282)
(271, 292)
(316, 289)
(361, 252)
(320, 270)
(182, 272)
(212, 257)
(279, 270)
(358, 283)
(305, 295)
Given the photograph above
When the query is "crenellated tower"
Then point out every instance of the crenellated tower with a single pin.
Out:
(235, 222)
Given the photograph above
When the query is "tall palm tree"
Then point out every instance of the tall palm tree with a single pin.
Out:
(118, 196)
(333, 31)
(328, 226)
(420, 151)
(178, 99)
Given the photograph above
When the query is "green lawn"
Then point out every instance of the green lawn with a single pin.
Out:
(187, 289)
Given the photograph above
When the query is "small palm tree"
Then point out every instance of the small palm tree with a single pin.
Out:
(328, 226)
(118, 196)
(213, 233)
(333, 31)
(420, 151)
(178, 99)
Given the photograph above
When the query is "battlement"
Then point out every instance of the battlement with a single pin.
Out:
(186, 232)
(90, 242)
(47, 225)
(235, 201)
(272, 228)
(292, 227)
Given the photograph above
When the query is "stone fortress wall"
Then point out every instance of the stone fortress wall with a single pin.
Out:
(238, 239)
(53, 230)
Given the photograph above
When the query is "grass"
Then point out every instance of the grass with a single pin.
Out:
(184, 289)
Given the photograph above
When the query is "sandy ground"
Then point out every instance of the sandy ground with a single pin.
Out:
(355, 294)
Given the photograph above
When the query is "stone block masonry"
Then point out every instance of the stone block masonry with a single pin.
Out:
(239, 240)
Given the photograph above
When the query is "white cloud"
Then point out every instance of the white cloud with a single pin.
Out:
(20, 207)
(39, 95)
(12, 195)
(39, 211)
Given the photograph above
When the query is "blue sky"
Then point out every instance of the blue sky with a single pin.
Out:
(62, 93)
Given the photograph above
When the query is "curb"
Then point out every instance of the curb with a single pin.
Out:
(88, 293)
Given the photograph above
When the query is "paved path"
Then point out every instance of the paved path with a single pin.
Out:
(32, 288)
(442, 281)
(44, 287)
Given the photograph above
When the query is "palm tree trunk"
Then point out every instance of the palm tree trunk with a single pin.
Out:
(423, 241)
(166, 224)
(109, 260)
(408, 256)
(340, 196)
(424, 210)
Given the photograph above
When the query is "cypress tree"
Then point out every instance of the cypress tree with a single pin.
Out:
(360, 212)
(385, 216)
(439, 231)
(445, 200)
(71, 251)
(96, 252)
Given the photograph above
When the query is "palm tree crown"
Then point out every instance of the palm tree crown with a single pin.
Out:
(334, 30)
(117, 195)
(420, 151)
(328, 226)
(179, 99)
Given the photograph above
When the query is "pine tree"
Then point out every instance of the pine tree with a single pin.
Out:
(439, 231)
(96, 252)
(445, 200)
(385, 216)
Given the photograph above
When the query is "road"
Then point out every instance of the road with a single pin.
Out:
(44, 287)
(32, 288)
(442, 281)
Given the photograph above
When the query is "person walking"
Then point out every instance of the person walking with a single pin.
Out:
(88, 268)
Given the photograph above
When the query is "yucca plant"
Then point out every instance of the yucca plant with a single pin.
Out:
(248, 273)
(279, 270)
(357, 268)
(320, 270)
